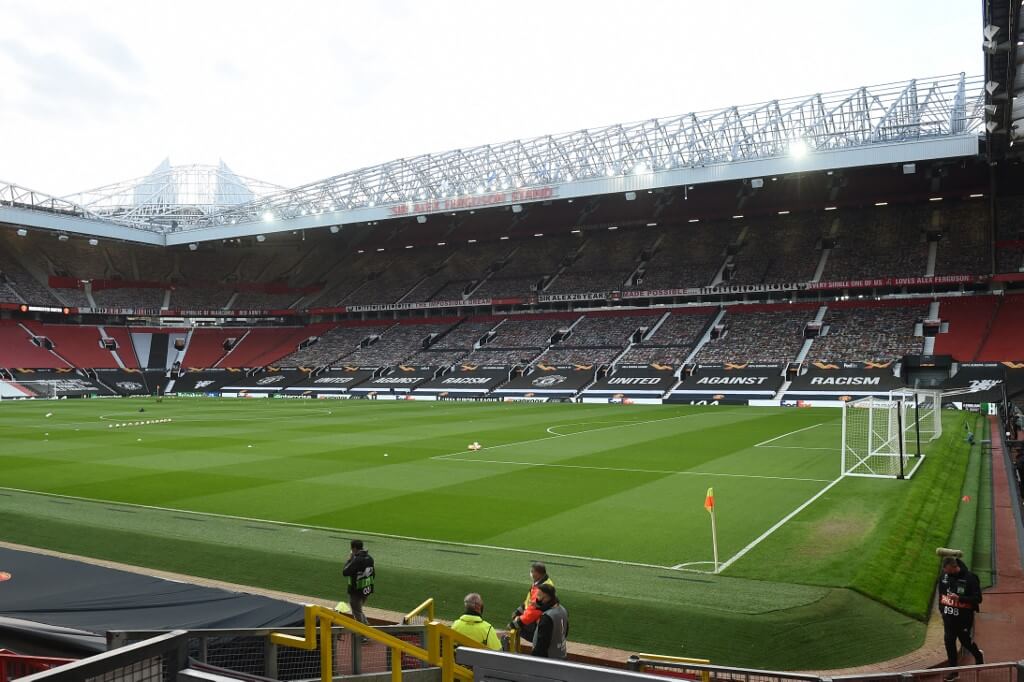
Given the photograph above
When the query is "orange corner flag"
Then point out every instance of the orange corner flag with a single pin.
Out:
(709, 501)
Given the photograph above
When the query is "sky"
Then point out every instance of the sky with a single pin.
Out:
(97, 92)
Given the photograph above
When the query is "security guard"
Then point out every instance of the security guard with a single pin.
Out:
(959, 597)
(472, 625)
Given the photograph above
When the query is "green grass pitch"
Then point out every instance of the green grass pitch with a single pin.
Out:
(817, 573)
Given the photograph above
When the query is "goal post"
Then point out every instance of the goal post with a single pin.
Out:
(40, 389)
(875, 438)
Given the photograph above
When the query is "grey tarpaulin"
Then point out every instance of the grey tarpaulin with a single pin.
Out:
(71, 604)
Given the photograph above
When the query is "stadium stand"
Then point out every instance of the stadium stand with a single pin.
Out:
(579, 356)
(969, 321)
(332, 346)
(400, 275)
(252, 300)
(80, 345)
(206, 346)
(1003, 340)
(464, 335)
(451, 279)
(672, 342)
(783, 249)
(525, 271)
(964, 247)
(874, 334)
(607, 259)
(687, 256)
(19, 351)
(752, 334)
(195, 298)
(443, 358)
(264, 346)
(879, 242)
(397, 344)
(125, 347)
(129, 298)
(21, 285)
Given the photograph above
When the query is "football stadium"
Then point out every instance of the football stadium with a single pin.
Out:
(745, 384)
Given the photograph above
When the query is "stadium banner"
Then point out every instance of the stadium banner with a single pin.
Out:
(64, 383)
(729, 382)
(215, 312)
(585, 296)
(419, 305)
(550, 380)
(632, 381)
(467, 379)
(331, 381)
(270, 381)
(401, 379)
(843, 381)
(979, 382)
(124, 382)
(198, 380)
(473, 201)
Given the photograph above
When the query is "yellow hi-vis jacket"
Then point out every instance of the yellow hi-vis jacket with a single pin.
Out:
(479, 630)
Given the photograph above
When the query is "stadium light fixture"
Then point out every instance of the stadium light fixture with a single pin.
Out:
(640, 168)
(538, 234)
(935, 199)
(630, 196)
(505, 238)
(613, 227)
(976, 196)
(371, 204)
(261, 238)
(94, 242)
(62, 237)
(193, 246)
(568, 177)
(442, 243)
(360, 251)
(421, 219)
(22, 232)
(693, 220)
(335, 229)
(304, 211)
(881, 203)
(517, 208)
(798, 149)
(576, 231)
(610, 172)
(737, 217)
(471, 241)
(652, 224)
(830, 208)
(268, 216)
(380, 250)
(783, 212)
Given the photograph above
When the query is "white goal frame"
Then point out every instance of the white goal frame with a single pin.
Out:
(49, 394)
(874, 438)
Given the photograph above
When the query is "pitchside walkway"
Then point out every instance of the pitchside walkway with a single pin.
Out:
(1000, 625)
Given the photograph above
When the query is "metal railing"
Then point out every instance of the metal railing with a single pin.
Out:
(158, 659)
(427, 605)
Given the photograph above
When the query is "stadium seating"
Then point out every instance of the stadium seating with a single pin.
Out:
(883, 241)
(332, 346)
(19, 351)
(783, 249)
(672, 342)
(206, 346)
(687, 256)
(125, 347)
(252, 300)
(756, 335)
(129, 298)
(198, 298)
(532, 261)
(80, 345)
(1003, 342)
(606, 261)
(264, 346)
(969, 321)
(875, 334)
(397, 344)
(964, 247)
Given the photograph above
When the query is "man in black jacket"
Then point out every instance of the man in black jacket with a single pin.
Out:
(959, 597)
(549, 639)
(359, 571)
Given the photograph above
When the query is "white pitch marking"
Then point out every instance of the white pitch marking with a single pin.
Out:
(448, 543)
(642, 471)
(806, 428)
(778, 525)
(797, 447)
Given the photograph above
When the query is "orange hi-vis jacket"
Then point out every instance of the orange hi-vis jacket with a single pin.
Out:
(531, 614)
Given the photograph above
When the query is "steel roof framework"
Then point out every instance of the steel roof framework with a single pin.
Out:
(908, 111)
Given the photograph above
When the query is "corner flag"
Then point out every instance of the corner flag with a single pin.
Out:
(709, 504)
(709, 500)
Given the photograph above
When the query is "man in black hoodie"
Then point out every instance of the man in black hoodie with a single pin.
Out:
(359, 571)
(959, 597)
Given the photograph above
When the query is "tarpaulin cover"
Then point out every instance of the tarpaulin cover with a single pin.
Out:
(46, 593)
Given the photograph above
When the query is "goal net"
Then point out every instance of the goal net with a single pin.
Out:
(875, 438)
(29, 389)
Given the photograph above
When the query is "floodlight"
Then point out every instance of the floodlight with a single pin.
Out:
(260, 238)
(193, 246)
(640, 168)
(22, 232)
(62, 237)
(757, 183)
(421, 219)
(798, 149)
(268, 216)
(335, 229)
(94, 242)
(517, 208)
(630, 196)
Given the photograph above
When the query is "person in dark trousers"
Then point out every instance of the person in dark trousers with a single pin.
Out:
(359, 571)
(526, 616)
(959, 598)
(553, 626)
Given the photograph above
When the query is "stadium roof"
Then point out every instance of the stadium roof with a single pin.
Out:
(929, 118)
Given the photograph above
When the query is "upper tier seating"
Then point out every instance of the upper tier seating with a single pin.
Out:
(334, 345)
(687, 256)
(780, 250)
(396, 345)
(964, 248)
(129, 298)
(883, 241)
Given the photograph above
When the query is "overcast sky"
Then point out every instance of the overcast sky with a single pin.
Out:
(290, 92)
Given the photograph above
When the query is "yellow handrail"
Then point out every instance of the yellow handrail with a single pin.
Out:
(705, 676)
(428, 605)
(441, 643)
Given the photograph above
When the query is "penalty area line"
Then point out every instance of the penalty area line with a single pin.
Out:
(764, 443)
(739, 555)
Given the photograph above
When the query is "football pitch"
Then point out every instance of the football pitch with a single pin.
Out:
(268, 492)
